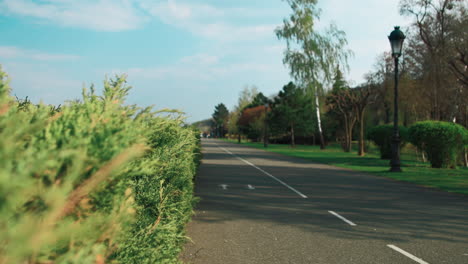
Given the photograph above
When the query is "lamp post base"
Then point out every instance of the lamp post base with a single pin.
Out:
(395, 164)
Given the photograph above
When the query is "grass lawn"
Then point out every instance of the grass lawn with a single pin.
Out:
(414, 171)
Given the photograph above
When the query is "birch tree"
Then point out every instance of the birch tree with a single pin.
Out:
(310, 55)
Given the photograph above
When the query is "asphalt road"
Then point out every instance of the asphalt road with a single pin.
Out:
(261, 207)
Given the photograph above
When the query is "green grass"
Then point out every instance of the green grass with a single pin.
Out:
(414, 171)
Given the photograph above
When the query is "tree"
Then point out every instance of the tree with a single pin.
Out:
(360, 98)
(4, 89)
(350, 105)
(252, 122)
(233, 120)
(437, 52)
(382, 79)
(340, 106)
(311, 56)
(246, 96)
(258, 100)
(220, 118)
(253, 117)
(291, 111)
(459, 61)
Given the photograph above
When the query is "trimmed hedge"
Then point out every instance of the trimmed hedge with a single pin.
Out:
(382, 136)
(94, 181)
(443, 142)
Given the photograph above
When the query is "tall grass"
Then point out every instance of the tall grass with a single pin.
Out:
(94, 181)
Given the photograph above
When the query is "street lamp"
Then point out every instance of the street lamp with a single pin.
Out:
(265, 134)
(396, 41)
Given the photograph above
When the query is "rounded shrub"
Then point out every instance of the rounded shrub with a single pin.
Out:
(443, 142)
(382, 136)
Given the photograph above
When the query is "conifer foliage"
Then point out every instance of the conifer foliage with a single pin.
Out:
(94, 181)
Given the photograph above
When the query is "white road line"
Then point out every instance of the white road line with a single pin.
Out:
(250, 187)
(407, 254)
(266, 173)
(342, 218)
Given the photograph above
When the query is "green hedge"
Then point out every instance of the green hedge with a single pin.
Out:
(382, 136)
(443, 142)
(94, 181)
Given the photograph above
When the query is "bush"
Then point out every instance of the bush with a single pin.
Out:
(94, 181)
(382, 136)
(443, 142)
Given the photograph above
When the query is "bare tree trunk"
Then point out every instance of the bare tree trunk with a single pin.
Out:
(466, 157)
(239, 138)
(293, 143)
(361, 134)
(350, 120)
(387, 113)
(319, 122)
(423, 156)
(347, 144)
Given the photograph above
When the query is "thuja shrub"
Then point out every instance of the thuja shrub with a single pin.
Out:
(94, 181)
(163, 192)
(382, 136)
(443, 142)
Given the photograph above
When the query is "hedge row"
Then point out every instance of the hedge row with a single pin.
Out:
(94, 181)
(444, 143)
(382, 136)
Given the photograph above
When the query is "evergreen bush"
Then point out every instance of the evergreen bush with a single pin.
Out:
(93, 181)
(443, 142)
(382, 136)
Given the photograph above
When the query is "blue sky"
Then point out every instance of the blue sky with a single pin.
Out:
(181, 54)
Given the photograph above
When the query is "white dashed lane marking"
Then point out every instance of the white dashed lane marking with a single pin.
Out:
(342, 218)
(266, 173)
(407, 254)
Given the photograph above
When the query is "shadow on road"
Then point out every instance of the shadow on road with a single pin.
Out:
(383, 209)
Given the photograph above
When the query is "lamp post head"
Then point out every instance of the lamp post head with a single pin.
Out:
(396, 41)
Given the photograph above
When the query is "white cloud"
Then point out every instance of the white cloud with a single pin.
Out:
(10, 52)
(204, 12)
(200, 59)
(42, 83)
(119, 15)
(200, 67)
(102, 15)
(367, 26)
(275, 49)
(7, 52)
(184, 11)
(208, 21)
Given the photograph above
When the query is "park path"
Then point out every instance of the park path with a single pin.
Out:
(262, 207)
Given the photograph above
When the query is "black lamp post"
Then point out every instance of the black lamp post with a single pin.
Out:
(396, 41)
(265, 131)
